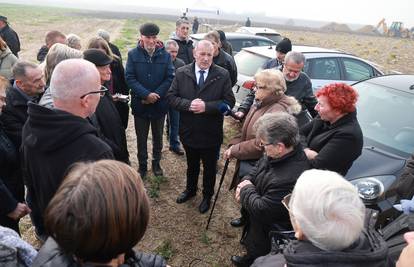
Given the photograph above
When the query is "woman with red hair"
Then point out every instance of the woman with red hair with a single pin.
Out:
(334, 138)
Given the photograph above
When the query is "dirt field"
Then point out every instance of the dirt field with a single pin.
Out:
(178, 231)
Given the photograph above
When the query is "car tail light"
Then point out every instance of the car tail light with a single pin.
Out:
(249, 85)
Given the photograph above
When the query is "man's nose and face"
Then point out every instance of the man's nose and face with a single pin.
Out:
(173, 51)
(292, 70)
(149, 42)
(183, 30)
(33, 83)
(280, 56)
(204, 55)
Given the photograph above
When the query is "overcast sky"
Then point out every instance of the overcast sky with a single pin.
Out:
(342, 11)
(351, 11)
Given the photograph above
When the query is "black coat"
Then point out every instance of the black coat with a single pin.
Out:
(226, 61)
(115, 51)
(369, 250)
(52, 141)
(14, 115)
(51, 255)
(119, 85)
(338, 145)
(185, 50)
(11, 38)
(110, 125)
(272, 180)
(203, 130)
(11, 183)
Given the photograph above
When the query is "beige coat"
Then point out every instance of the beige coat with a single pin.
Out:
(7, 61)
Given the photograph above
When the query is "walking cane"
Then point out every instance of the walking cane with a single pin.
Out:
(218, 191)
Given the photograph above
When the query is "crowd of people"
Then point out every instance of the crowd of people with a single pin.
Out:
(63, 149)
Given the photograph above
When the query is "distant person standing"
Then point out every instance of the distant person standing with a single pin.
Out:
(185, 50)
(282, 48)
(248, 22)
(149, 73)
(51, 38)
(195, 25)
(173, 114)
(9, 36)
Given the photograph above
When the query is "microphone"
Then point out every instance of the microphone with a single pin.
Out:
(226, 111)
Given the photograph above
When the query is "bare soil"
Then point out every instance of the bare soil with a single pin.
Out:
(179, 229)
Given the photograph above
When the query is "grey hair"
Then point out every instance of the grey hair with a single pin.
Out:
(73, 78)
(19, 69)
(204, 43)
(272, 80)
(328, 209)
(171, 42)
(213, 35)
(296, 57)
(181, 21)
(104, 34)
(279, 127)
(57, 53)
(72, 40)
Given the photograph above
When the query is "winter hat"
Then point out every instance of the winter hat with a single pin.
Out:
(97, 57)
(284, 46)
(149, 29)
(3, 18)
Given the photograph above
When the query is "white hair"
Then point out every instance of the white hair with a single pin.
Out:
(72, 78)
(328, 209)
(104, 35)
(73, 40)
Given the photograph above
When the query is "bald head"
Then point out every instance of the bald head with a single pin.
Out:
(71, 79)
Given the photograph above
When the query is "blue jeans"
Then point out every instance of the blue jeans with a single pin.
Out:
(174, 120)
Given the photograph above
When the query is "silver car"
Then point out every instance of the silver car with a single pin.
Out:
(323, 66)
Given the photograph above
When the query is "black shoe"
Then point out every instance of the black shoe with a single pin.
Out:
(204, 205)
(177, 151)
(156, 169)
(184, 196)
(238, 222)
(240, 261)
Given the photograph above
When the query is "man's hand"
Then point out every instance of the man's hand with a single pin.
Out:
(239, 114)
(310, 154)
(152, 98)
(227, 153)
(20, 211)
(240, 187)
(198, 106)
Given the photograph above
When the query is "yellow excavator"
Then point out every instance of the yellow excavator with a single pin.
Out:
(395, 30)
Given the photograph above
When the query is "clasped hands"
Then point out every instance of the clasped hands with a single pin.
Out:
(151, 98)
(198, 106)
(240, 187)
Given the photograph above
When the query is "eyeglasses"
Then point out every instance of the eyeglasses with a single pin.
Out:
(261, 144)
(101, 92)
(286, 201)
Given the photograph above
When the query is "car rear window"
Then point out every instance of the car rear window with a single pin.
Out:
(275, 37)
(249, 63)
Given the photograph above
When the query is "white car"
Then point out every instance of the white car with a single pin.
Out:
(323, 66)
(266, 32)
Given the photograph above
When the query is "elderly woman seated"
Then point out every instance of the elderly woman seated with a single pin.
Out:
(97, 216)
(269, 98)
(328, 218)
(334, 138)
(262, 190)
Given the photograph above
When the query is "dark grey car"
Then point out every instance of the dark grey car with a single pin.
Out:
(384, 110)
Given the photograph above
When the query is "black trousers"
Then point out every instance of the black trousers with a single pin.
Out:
(208, 157)
(141, 129)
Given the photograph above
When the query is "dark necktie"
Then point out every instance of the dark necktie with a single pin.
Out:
(201, 79)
